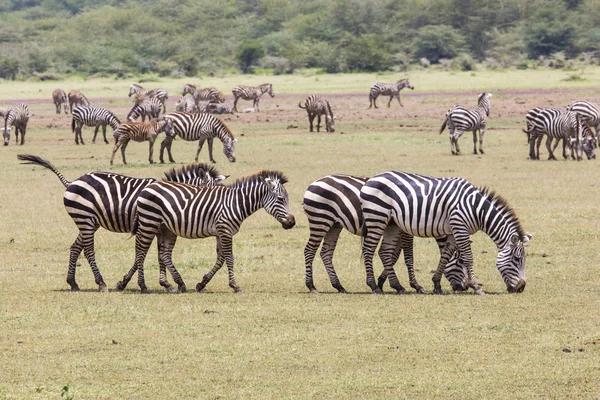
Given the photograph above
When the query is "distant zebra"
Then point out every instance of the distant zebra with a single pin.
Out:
(460, 119)
(201, 127)
(187, 104)
(140, 132)
(107, 200)
(251, 93)
(425, 206)
(161, 94)
(169, 210)
(148, 107)
(17, 116)
(94, 117)
(556, 124)
(76, 99)
(388, 89)
(316, 106)
(219, 108)
(332, 203)
(589, 111)
(211, 94)
(59, 97)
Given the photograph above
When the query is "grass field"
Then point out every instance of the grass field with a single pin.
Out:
(276, 340)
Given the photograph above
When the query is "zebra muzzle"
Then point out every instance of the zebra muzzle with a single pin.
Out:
(288, 221)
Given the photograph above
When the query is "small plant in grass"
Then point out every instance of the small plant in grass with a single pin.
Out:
(67, 392)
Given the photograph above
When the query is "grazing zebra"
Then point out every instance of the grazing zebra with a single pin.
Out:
(332, 203)
(102, 199)
(201, 127)
(140, 132)
(211, 94)
(59, 97)
(251, 93)
(76, 99)
(219, 108)
(147, 107)
(316, 106)
(556, 124)
(17, 116)
(589, 111)
(161, 94)
(388, 89)
(460, 119)
(94, 117)
(433, 207)
(169, 210)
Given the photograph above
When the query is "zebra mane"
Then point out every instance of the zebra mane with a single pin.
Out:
(190, 85)
(256, 178)
(226, 127)
(136, 85)
(196, 169)
(501, 204)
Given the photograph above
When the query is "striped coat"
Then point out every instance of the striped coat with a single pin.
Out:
(76, 99)
(160, 94)
(388, 89)
(140, 132)
(17, 117)
(59, 97)
(316, 106)
(146, 107)
(94, 117)
(460, 119)
(251, 93)
(211, 94)
(219, 108)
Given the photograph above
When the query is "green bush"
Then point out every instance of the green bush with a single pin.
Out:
(434, 42)
(248, 54)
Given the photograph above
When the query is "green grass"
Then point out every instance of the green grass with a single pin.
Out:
(276, 340)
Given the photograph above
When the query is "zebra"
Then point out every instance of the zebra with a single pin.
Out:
(434, 207)
(107, 200)
(460, 119)
(187, 104)
(92, 116)
(388, 89)
(76, 99)
(316, 106)
(332, 203)
(251, 93)
(219, 108)
(59, 97)
(161, 94)
(589, 111)
(556, 124)
(146, 107)
(169, 210)
(210, 94)
(201, 127)
(17, 116)
(140, 132)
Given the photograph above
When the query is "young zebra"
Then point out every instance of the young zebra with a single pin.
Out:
(211, 94)
(17, 116)
(556, 124)
(460, 119)
(424, 206)
(59, 97)
(219, 108)
(590, 113)
(388, 89)
(332, 203)
(76, 99)
(187, 104)
(160, 94)
(251, 93)
(316, 106)
(169, 210)
(107, 200)
(93, 117)
(146, 107)
(140, 132)
(201, 127)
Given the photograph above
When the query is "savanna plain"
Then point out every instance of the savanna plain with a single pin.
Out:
(276, 340)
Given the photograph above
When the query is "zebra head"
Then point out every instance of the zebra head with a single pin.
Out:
(588, 140)
(229, 147)
(188, 89)
(133, 89)
(404, 83)
(483, 101)
(511, 263)
(6, 134)
(456, 273)
(275, 198)
(267, 88)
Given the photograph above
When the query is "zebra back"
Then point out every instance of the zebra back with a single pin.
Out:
(150, 107)
(16, 115)
(200, 174)
(76, 98)
(589, 111)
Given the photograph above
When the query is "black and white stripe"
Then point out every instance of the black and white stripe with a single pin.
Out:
(211, 94)
(460, 119)
(59, 97)
(169, 210)
(219, 108)
(76, 99)
(434, 207)
(17, 117)
(146, 107)
(316, 106)
(160, 94)
(251, 93)
(93, 117)
(388, 89)
(590, 113)
(201, 127)
(140, 132)
(107, 200)
(187, 104)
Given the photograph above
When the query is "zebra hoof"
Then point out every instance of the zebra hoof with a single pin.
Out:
(421, 291)
(479, 292)
(182, 289)
(144, 290)
(120, 286)
(377, 291)
(482, 152)
(438, 291)
(200, 287)
(171, 289)
(75, 289)
(103, 288)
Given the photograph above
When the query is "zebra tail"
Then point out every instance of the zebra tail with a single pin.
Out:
(72, 123)
(31, 159)
(443, 125)
(300, 105)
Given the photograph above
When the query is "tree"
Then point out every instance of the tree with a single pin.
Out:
(437, 41)
(549, 32)
(248, 54)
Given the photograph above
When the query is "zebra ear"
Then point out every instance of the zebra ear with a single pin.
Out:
(526, 238)
(489, 95)
(220, 178)
(235, 140)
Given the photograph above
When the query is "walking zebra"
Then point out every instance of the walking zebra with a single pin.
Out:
(332, 203)
(460, 119)
(76, 99)
(251, 93)
(107, 200)
(169, 210)
(201, 127)
(147, 107)
(219, 108)
(17, 116)
(161, 94)
(59, 97)
(388, 89)
(433, 207)
(590, 113)
(211, 94)
(93, 117)
(140, 132)
(187, 104)
(316, 106)
(556, 124)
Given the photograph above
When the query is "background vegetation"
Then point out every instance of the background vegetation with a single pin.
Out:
(48, 38)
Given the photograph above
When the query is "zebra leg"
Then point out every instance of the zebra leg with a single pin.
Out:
(369, 245)
(532, 141)
(255, 104)
(117, 145)
(375, 100)
(538, 143)
(219, 263)
(390, 102)
(318, 122)
(123, 147)
(389, 252)
(437, 276)
(235, 100)
(57, 105)
(481, 133)
(95, 133)
(311, 120)
(166, 143)
(142, 244)
(463, 242)
(475, 141)
(151, 149)
(310, 250)
(370, 101)
(327, 250)
(22, 134)
(104, 133)
(166, 242)
(76, 248)
(550, 153)
(88, 249)
(407, 244)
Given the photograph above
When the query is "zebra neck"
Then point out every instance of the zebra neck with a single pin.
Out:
(246, 200)
(495, 221)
